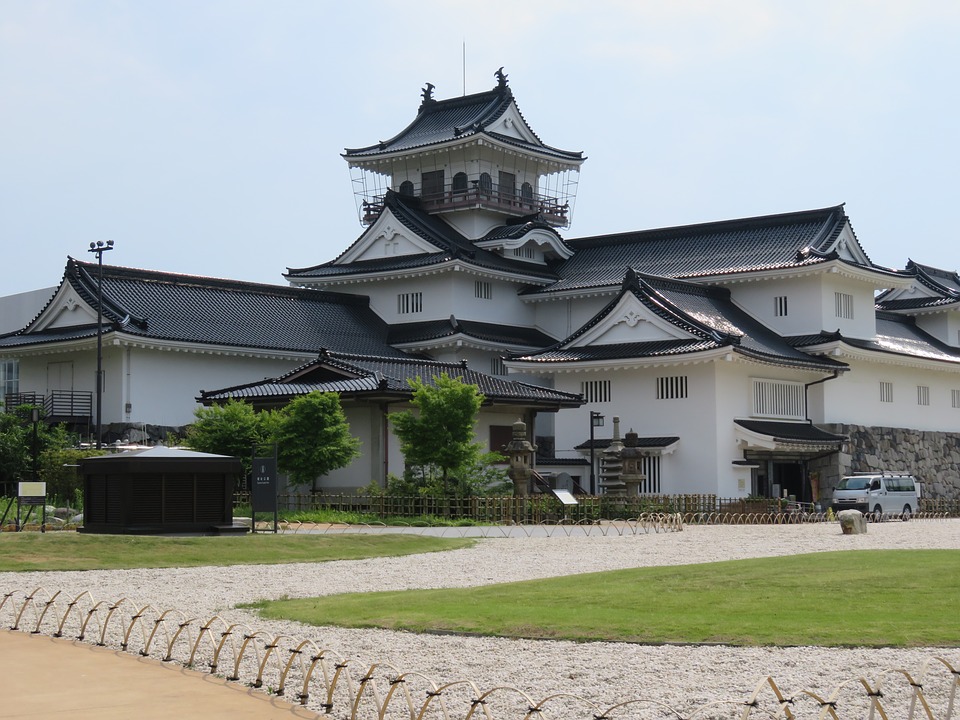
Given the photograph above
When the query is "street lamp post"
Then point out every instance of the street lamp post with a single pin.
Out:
(596, 420)
(99, 248)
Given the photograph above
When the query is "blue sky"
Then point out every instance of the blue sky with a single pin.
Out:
(204, 136)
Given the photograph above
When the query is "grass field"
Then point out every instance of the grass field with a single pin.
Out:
(859, 598)
(74, 551)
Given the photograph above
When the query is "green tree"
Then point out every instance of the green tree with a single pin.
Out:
(52, 446)
(233, 428)
(437, 440)
(313, 438)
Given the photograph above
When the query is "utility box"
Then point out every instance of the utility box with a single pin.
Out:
(159, 490)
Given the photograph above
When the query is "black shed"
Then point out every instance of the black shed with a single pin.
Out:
(158, 490)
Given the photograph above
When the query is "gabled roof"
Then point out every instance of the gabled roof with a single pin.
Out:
(937, 289)
(189, 309)
(704, 319)
(432, 330)
(388, 377)
(896, 335)
(712, 250)
(458, 119)
(450, 244)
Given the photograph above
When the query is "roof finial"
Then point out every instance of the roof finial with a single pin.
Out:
(427, 95)
(501, 78)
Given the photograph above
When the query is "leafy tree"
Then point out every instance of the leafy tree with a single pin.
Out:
(233, 428)
(53, 450)
(313, 438)
(438, 440)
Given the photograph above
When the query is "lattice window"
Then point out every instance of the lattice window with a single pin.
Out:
(482, 290)
(409, 303)
(497, 367)
(780, 306)
(779, 399)
(9, 378)
(524, 252)
(844, 305)
(923, 394)
(672, 387)
(886, 391)
(650, 466)
(595, 391)
(955, 398)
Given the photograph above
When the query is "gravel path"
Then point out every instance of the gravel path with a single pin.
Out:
(683, 677)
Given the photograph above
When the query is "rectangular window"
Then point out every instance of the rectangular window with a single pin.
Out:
(923, 394)
(431, 184)
(780, 306)
(779, 399)
(844, 305)
(886, 391)
(409, 303)
(524, 252)
(595, 391)
(650, 466)
(672, 387)
(497, 367)
(9, 379)
(482, 290)
(955, 398)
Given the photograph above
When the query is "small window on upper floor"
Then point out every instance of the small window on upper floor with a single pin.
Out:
(923, 394)
(955, 398)
(460, 182)
(408, 303)
(406, 188)
(844, 305)
(886, 391)
(497, 367)
(486, 183)
(431, 184)
(672, 387)
(482, 290)
(526, 195)
(595, 391)
(780, 306)
(527, 252)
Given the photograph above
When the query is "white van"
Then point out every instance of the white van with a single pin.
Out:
(878, 493)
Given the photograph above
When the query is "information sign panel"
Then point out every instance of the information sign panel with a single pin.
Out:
(264, 490)
(32, 493)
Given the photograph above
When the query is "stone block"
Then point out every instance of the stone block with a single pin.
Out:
(852, 522)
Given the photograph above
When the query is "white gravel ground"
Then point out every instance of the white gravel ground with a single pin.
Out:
(683, 677)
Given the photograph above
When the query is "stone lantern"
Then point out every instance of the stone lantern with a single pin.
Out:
(630, 464)
(520, 453)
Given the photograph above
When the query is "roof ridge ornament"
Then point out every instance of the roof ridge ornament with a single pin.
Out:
(501, 79)
(428, 98)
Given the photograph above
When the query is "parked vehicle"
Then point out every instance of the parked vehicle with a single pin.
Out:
(878, 494)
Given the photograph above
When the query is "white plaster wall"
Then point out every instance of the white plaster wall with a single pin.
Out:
(18, 310)
(560, 318)
(945, 327)
(803, 303)
(854, 398)
(864, 322)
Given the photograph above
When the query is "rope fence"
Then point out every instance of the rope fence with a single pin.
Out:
(322, 679)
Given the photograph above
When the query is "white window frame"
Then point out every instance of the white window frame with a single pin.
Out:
(923, 395)
(780, 399)
(844, 305)
(595, 391)
(409, 303)
(672, 387)
(955, 398)
(886, 391)
(780, 306)
(482, 289)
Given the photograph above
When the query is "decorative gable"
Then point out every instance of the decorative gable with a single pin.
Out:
(630, 322)
(67, 309)
(848, 247)
(387, 237)
(512, 124)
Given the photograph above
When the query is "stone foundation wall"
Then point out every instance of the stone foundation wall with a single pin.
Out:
(933, 457)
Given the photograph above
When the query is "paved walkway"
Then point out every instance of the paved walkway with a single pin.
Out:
(46, 677)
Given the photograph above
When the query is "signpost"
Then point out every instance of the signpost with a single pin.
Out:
(32, 494)
(263, 491)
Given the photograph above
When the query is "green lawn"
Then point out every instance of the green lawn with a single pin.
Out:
(74, 551)
(856, 598)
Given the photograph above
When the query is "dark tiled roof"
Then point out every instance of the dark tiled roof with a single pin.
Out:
(791, 432)
(450, 244)
(642, 442)
(710, 249)
(390, 376)
(460, 118)
(705, 313)
(489, 332)
(896, 334)
(944, 284)
(184, 308)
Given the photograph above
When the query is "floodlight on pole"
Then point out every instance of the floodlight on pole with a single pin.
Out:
(99, 248)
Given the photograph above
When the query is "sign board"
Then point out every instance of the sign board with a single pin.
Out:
(32, 493)
(263, 495)
(565, 496)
